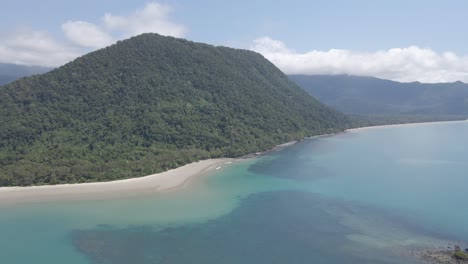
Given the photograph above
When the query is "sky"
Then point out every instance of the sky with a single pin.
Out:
(400, 40)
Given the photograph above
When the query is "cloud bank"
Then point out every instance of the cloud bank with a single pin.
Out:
(40, 48)
(400, 64)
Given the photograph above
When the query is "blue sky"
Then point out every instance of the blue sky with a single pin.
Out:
(412, 36)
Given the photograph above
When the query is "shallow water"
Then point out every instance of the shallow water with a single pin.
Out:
(368, 196)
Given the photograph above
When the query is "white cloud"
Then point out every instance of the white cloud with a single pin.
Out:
(86, 34)
(401, 64)
(39, 48)
(35, 48)
(154, 17)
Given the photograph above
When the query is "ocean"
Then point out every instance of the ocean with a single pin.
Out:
(366, 196)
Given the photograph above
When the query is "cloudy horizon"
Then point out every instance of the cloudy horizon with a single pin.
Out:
(413, 62)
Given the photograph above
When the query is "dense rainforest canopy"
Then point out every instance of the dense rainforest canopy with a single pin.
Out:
(148, 104)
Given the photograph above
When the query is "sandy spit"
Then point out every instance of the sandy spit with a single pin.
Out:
(164, 181)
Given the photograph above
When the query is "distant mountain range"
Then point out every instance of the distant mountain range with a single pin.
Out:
(12, 72)
(148, 104)
(368, 96)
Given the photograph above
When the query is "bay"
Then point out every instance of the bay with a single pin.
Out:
(365, 196)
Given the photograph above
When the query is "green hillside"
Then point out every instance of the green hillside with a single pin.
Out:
(148, 104)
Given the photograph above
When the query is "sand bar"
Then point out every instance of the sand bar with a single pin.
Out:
(164, 181)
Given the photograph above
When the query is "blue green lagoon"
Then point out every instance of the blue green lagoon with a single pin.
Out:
(365, 196)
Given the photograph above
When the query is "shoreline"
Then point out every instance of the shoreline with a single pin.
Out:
(170, 180)
(154, 183)
(404, 124)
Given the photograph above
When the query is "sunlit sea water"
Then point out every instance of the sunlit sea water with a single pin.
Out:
(367, 196)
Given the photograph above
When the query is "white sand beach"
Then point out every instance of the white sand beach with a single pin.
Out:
(405, 124)
(164, 181)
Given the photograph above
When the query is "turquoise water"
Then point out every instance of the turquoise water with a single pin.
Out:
(368, 196)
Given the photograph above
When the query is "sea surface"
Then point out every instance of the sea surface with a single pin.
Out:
(366, 196)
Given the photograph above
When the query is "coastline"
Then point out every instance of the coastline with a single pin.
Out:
(164, 181)
(170, 180)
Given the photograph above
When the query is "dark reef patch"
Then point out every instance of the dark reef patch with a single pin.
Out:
(273, 227)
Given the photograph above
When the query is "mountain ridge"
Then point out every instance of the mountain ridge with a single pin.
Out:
(11, 72)
(356, 95)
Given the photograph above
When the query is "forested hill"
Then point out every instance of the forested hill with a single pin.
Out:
(11, 72)
(148, 104)
(368, 96)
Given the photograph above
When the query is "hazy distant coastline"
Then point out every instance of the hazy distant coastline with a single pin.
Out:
(405, 124)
